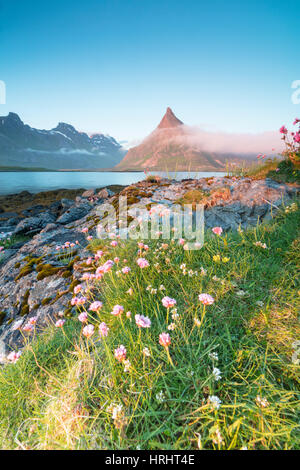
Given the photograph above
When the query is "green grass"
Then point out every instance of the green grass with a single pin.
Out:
(9, 242)
(62, 391)
(282, 171)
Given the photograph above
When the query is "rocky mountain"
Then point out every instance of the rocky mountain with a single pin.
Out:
(174, 146)
(60, 148)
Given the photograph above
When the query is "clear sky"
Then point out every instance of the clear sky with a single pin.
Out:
(113, 66)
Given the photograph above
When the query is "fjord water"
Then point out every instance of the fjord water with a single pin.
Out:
(34, 181)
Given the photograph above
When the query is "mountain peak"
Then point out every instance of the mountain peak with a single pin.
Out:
(169, 120)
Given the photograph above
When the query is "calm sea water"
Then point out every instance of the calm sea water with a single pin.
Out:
(35, 181)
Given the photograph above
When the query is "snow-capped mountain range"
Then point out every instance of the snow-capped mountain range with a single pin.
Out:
(60, 148)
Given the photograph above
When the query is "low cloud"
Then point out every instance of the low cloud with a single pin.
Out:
(268, 143)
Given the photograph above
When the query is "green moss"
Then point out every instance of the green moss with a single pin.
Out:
(46, 270)
(24, 272)
(46, 301)
(28, 268)
(66, 274)
(193, 197)
(73, 261)
(58, 296)
(68, 312)
(17, 265)
(24, 307)
(73, 285)
(24, 310)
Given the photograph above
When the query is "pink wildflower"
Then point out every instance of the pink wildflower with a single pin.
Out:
(117, 310)
(74, 301)
(168, 302)
(83, 317)
(86, 277)
(143, 263)
(103, 329)
(60, 323)
(81, 300)
(164, 340)
(27, 327)
(206, 299)
(95, 306)
(143, 322)
(283, 130)
(107, 266)
(88, 331)
(120, 353)
(297, 137)
(13, 356)
(217, 230)
(99, 254)
(77, 289)
(126, 270)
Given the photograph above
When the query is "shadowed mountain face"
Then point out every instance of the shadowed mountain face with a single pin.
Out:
(60, 148)
(171, 146)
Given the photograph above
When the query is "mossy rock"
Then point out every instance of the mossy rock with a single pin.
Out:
(24, 272)
(24, 307)
(47, 270)
(73, 284)
(24, 310)
(193, 197)
(46, 301)
(66, 274)
(28, 268)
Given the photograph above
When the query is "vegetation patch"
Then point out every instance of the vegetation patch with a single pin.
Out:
(226, 377)
(24, 307)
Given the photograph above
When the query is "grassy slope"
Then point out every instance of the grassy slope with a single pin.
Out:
(57, 395)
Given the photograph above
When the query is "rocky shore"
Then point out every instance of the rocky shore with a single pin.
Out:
(37, 278)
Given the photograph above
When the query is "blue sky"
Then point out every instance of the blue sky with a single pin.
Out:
(113, 66)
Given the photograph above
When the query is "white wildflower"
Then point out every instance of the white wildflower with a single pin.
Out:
(160, 397)
(262, 402)
(213, 356)
(217, 374)
(215, 401)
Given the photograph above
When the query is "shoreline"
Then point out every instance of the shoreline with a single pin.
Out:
(105, 170)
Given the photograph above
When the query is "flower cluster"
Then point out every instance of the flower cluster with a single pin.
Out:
(292, 143)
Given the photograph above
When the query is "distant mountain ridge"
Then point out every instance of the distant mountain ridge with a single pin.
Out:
(171, 146)
(60, 148)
